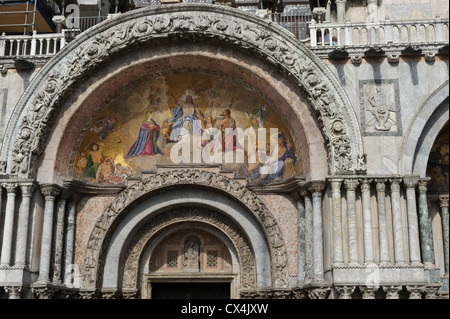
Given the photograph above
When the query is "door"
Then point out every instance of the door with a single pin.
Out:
(190, 290)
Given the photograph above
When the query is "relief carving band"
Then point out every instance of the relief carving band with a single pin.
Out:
(380, 107)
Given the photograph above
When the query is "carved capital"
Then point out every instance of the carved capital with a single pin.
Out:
(15, 292)
(303, 192)
(392, 292)
(381, 184)
(111, 294)
(365, 184)
(351, 184)
(356, 58)
(43, 292)
(319, 293)
(395, 184)
(411, 181)
(316, 187)
(431, 291)
(336, 184)
(443, 201)
(27, 188)
(423, 184)
(415, 292)
(300, 294)
(345, 292)
(368, 292)
(393, 57)
(281, 294)
(10, 187)
(65, 194)
(50, 191)
(89, 294)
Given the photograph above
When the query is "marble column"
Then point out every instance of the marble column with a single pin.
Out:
(350, 185)
(22, 231)
(50, 192)
(70, 235)
(316, 189)
(399, 251)
(426, 231)
(367, 221)
(443, 202)
(340, 10)
(338, 257)
(59, 235)
(382, 221)
(9, 224)
(301, 244)
(309, 258)
(413, 223)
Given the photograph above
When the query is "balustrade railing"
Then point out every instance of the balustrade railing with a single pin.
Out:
(386, 32)
(34, 45)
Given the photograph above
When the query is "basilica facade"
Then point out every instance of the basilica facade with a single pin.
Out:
(200, 150)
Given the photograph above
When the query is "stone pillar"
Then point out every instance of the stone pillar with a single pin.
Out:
(443, 202)
(413, 224)
(70, 234)
(50, 192)
(316, 189)
(367, 221)
(372, 8)
(382, 221)
(338, 257)
(350, 185)
(340, 10)
(392, 292)
(309, 258)
(301, 237)
(345, 292)
(426, 232)
(9, 224)
(399, 251)
(22, 231)
(59, 235)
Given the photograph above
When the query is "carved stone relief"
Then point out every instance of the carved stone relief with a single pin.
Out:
(380, 107)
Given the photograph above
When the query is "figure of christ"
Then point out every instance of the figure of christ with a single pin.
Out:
(188, 116)
(228, 136)
(145, 144)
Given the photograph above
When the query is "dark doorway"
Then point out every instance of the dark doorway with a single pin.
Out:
(190, 290)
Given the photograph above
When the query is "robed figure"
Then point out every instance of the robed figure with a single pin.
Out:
(145, 144)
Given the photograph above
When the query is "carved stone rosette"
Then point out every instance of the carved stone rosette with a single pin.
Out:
(202, 22)
(102, 231)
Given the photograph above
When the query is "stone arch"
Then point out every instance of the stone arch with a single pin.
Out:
(203, 216)
(423, 130)
(28, 130)
(104, 228)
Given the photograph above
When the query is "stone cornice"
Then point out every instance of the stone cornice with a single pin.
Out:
(88, 189)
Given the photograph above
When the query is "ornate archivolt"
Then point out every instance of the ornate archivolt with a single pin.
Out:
(228, 227)
(42, 101)
(131, 196)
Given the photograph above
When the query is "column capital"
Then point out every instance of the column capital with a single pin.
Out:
(392, 292)
(65, 194)
(303, 192)
(351, 184)
(14, 292)
(443, 201)
(381, 184)
(27, 188)
(345, 292)
(335, 184)
(368, 292)
(395, 183)
(50, 191)
(411, 181)
(365, 183)
(423, 184)
(10, 186)
(316, 187)
(415, 292)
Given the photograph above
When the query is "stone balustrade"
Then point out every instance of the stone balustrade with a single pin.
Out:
(34, 45)
(380, 33)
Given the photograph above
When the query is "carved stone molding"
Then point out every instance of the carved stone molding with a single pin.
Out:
(104, 227)
(223, 223)
(201, 22)
(345, 292)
